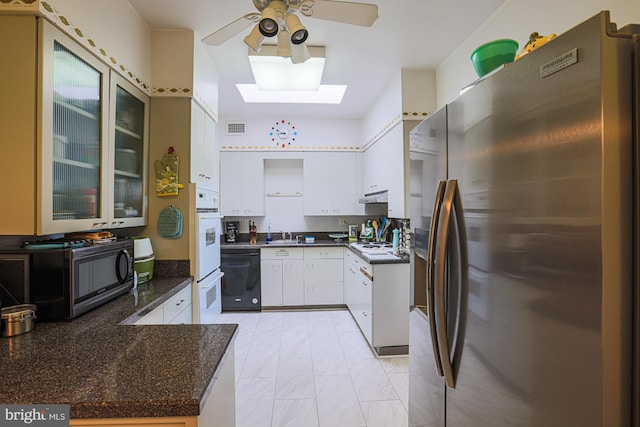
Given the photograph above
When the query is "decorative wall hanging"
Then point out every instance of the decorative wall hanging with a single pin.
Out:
(167, 174)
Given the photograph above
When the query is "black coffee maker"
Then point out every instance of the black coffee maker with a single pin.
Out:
(232, 234)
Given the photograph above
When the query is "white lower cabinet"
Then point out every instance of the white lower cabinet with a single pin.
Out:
(323, 276)
(378, 298)
(174, 311)
(281, 277)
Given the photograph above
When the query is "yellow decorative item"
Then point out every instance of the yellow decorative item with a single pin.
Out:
(167, 174)
(535, 41)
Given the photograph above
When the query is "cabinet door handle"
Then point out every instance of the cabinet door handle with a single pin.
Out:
(366, 273)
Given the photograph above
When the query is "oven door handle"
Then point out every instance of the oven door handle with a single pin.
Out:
(121, 278)
(211, 282)
(203, 216)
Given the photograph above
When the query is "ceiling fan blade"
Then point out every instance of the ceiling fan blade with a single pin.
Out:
(363, 14)
(225, 33)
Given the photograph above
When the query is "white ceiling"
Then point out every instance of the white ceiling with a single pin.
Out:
(408, 34)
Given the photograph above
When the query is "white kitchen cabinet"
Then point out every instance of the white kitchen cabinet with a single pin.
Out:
(331, 184)
(242, 184)
(281, 277)
(359, 293)
(77, 131)
(154, 317)
(385, 167)
(323, 276)
(378, 298)
(204, 155)
(178, 308)
(373, 162)
(175, 310)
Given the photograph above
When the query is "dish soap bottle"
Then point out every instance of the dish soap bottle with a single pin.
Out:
(269, 233)
(368, 231)
(396, 241)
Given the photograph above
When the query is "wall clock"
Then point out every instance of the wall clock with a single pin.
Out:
(283, 133)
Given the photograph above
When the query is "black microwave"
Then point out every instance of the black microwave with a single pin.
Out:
(67, 282)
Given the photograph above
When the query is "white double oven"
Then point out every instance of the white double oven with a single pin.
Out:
(207, 303)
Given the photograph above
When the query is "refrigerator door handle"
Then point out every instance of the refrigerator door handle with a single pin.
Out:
(440, 266)
(430, 273)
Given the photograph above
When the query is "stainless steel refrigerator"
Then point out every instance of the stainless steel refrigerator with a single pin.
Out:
(525, 214)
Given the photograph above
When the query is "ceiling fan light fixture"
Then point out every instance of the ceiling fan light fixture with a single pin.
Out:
(268, 24)
(299, 53)
(298, 31)
(254, 39)
(284, 45)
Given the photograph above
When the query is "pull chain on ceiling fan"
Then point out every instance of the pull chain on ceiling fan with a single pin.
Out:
(278, 17)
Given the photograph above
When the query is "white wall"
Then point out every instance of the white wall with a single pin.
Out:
(516, 19)
(313, 134)
(115, 27)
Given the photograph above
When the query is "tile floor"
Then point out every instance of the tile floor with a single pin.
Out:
(314, 368)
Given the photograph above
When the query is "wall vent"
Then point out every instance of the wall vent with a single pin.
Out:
(236, 128)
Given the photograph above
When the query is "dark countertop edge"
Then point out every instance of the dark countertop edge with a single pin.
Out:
(122, 312)
(318, 243)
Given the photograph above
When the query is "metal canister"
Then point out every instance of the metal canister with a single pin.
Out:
(18, 319)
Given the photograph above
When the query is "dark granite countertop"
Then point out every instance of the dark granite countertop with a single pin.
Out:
(105, 369)
(318, 243)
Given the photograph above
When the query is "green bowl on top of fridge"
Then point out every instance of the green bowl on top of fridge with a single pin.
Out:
(491, 55)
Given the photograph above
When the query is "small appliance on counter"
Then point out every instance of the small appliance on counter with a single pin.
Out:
(144, 259)
(232, 234)
(68, 277)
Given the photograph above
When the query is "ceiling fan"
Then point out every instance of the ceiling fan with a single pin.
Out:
(278, 17)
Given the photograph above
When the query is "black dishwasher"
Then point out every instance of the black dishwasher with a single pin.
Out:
(241, 280)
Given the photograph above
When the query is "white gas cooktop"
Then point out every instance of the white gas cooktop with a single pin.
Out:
(375, 250)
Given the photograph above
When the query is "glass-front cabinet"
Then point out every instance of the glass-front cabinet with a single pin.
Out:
(74, 138)
(74, 134)
(129, 154)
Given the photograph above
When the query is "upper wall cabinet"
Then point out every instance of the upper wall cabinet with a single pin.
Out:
(75, 136)
(331, 184)
(242, 184)
(385, 167)
(204, 155)
(128, 150)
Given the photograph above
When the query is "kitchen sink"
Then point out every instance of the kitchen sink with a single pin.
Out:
(282, 242)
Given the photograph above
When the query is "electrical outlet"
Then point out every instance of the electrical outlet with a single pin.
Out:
(342, 221)
(247, 222)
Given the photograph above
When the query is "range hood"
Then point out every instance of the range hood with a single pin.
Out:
(377, 197)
